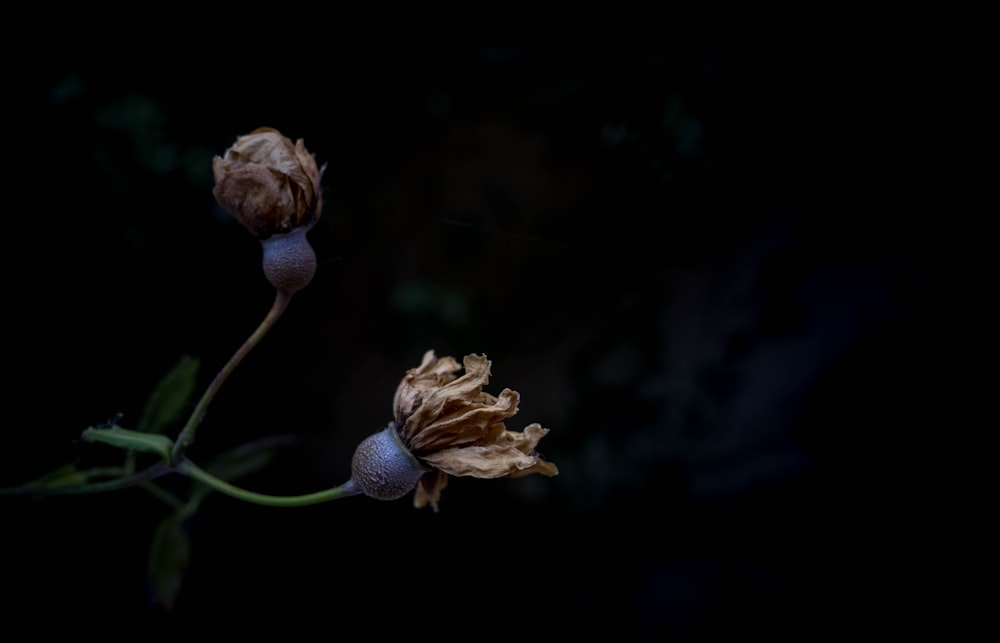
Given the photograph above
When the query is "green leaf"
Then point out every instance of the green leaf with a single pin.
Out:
(64, 476)
(170, 397)
(169, 555)
(132, 440)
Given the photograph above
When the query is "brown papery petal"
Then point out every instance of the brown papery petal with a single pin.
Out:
(431, 365)
(469, 423)
(429, 489)
(468, 388)
(270, 148)
(275, 152)
(267, 183)
(510, 456)
(256, 198)
(526, 443)
(432, 373)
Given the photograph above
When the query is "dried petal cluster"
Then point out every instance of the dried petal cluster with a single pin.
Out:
(455, 428)
(268, 184)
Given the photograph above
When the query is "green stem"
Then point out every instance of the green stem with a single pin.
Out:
(107, 472)
(142, 477)
(186, 437)
(189, 468)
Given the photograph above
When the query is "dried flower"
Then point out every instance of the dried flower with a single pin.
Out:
(446, 425)
(268, 184)
(272, 187)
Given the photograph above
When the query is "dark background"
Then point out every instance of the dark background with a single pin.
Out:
(700, 265)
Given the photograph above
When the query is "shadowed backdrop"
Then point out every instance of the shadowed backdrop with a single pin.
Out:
(680, 256)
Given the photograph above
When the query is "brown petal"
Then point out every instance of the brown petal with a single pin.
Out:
(429, 489)
(431, 374)
(281, 180)
(511, 456)
(463, 423)
(307, 163)
(256, 198)
(467, 389)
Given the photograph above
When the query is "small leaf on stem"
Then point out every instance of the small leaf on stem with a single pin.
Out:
(168, 560)
(170, 397)
(133, 440)
(64, 476)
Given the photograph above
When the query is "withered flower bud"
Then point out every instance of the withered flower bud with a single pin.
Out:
(267, 183)
(445, 424)
(272, 187)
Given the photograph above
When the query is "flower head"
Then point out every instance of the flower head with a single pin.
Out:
(272, 187)
(268, 184)
(448, 425)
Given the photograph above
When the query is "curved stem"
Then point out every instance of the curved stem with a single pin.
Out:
(189, 468)
(186, 437)
(142, 477)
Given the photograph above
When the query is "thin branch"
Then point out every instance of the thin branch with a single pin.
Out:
(186, 437)
(189, 468)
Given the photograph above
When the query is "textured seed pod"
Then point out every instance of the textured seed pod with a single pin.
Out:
(383, 468)
(289, 261)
